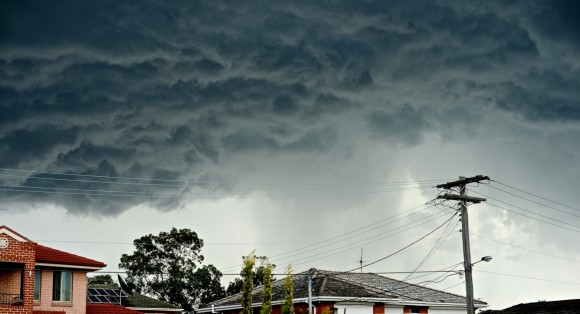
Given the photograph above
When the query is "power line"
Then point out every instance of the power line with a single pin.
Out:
(412, 243)
(442, 238)
(535, 195)
(532, 278)
(213, 195)
(350, 233)
(546, 222)
(453, 286)
(189, 181)
(353, 232)
(451, 267)
(526, 249)
(365, 243)
(529, 211)
(527, 199)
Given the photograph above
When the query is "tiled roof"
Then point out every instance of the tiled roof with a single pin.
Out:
(141, 301)
(350, 285)
(542, 307)
(49, 255)
(108, 308)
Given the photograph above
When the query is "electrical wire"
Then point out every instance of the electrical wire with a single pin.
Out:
(349, 234)
(529, 211)
(451, 267)
(453, 286)
(525, 249)
(546, 222)
(354, 233)
(535, 195)
(366, 241)
(187, 181)
(527, 199)
(442, 238)
(532, 278)
(216, 195)
(405, 247)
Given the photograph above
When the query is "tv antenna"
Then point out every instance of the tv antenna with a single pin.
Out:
(361, 260)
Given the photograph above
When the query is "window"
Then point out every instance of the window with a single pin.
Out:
(61, 285)
(37, 280)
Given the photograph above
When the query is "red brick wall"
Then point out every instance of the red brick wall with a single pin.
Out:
(10, 281)
(20, 252)
(323, 307)
(379, 308)
(78, 303)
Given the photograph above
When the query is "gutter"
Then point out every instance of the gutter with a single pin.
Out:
(214, 309)
(68, 266)
(141, 309)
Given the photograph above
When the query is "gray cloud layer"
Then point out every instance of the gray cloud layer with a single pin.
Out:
(180, 89)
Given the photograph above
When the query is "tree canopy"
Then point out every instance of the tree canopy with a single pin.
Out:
(258, 280)
(165, 266)
(101, 280)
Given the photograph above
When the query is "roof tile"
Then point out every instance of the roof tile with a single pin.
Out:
(49, 255)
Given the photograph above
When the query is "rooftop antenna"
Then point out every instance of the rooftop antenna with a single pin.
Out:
(361, 259)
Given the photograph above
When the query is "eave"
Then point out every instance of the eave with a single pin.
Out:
(389, 301)
(54, 265)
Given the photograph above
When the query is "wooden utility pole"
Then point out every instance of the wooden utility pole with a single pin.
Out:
(463, 200)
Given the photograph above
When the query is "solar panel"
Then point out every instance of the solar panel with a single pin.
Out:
(103, 295)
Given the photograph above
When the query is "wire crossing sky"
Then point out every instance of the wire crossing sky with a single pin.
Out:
(310, 131)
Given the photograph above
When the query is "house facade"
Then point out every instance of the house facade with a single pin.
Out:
(35, 279)
(350, 293)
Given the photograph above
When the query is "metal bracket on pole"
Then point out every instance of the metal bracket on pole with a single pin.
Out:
(472, 199)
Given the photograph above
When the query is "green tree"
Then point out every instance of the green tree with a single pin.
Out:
(288, 292)
(236, 285)
(248, 274)
(267, 291)
(101, 280)
(166, 267)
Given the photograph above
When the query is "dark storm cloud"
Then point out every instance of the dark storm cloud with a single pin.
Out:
(174, 90)
(404, 126)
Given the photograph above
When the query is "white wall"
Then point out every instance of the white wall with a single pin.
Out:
(360, 308)
(435, 310)
(393, 309)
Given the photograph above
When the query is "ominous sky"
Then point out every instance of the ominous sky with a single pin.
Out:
(300, 129)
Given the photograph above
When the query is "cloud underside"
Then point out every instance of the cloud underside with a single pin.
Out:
(173, 91)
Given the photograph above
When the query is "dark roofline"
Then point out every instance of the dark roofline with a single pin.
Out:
(319, 290)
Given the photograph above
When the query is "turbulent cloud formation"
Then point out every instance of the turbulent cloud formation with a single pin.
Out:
(181, 90)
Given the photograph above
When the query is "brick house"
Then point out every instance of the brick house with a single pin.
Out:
(350, 293)
(35, 279)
